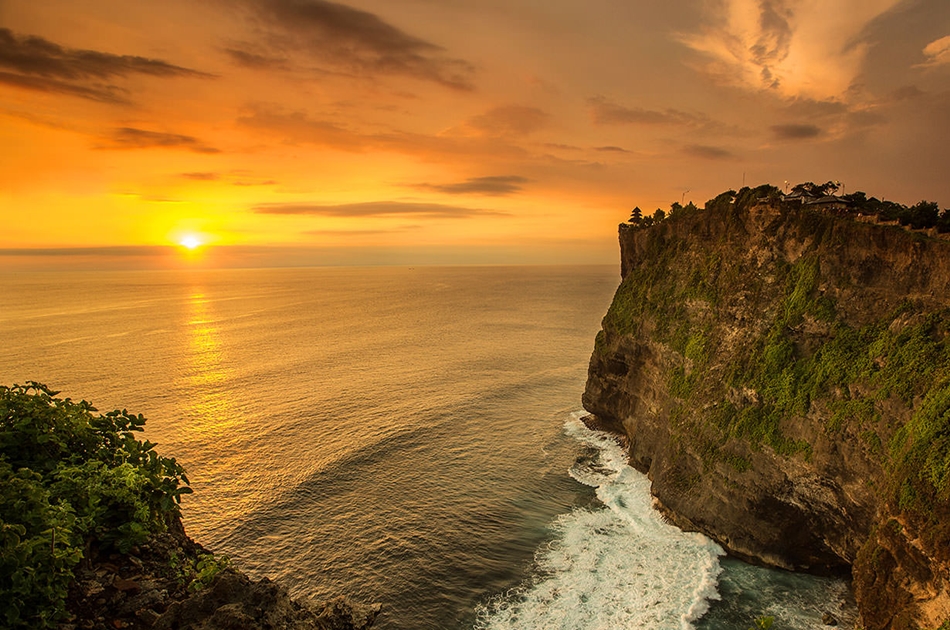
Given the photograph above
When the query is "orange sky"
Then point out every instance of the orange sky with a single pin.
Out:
(442, 131)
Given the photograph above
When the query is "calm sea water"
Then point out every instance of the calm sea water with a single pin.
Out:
(403, 436)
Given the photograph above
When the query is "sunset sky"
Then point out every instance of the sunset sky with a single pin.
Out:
(306, 132)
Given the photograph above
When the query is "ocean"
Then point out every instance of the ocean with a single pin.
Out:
(407, 436)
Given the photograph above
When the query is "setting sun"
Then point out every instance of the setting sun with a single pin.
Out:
(190, 242)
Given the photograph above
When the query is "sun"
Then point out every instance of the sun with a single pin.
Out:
(190, 242)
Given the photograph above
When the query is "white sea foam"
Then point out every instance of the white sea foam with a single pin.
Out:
(619, 566)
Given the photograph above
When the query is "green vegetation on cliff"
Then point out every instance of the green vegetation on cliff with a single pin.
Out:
(922, 215)
(71, 481)
(847, 376)
(790, 364)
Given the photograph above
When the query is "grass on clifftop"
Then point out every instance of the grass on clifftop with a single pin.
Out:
(70, 480)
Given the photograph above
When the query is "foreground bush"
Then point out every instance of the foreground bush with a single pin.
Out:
(71, 480)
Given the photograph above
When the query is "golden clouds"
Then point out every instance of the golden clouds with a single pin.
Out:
(795, 48)
(402, 124)
(937, 52)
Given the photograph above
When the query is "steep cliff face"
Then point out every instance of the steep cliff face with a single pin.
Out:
(783, 376)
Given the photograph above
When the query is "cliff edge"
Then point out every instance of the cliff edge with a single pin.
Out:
(782, 375)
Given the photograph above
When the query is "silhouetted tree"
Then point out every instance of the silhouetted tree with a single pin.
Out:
(943, 222)
(857, 202)
(811, 189)
(923, 215)
(659, 215)
(805, 188)
(858, 198)
(829, 188)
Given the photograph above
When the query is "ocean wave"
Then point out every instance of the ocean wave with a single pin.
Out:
(621, 565)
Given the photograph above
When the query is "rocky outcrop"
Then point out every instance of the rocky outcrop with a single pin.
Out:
(233, 601)
(783, 376)
(172, 583)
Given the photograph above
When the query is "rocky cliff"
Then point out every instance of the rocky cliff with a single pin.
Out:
(783, 376)
(173, 583)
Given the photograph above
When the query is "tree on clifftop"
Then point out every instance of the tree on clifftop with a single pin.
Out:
(812, 189)
(923, 215)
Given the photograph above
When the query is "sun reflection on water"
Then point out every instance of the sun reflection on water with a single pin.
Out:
(212, 427)
(205, 367)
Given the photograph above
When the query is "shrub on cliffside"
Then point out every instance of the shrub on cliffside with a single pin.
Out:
(71, 480)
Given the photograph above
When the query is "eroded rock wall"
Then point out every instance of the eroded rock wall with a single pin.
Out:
(776, 373)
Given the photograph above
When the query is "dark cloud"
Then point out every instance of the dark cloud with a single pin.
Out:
(795, 131)
(37, 56)
(126, 250)
(510, 120)
(828, 119)
(376, 209)
(254, 60)
(563, 147)
(605, 112)
(103, 93)
(131, 138)
(202, 177)
(708, 152)
(42, 65)
(494, 185)
(359, 40)
(611, 148)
